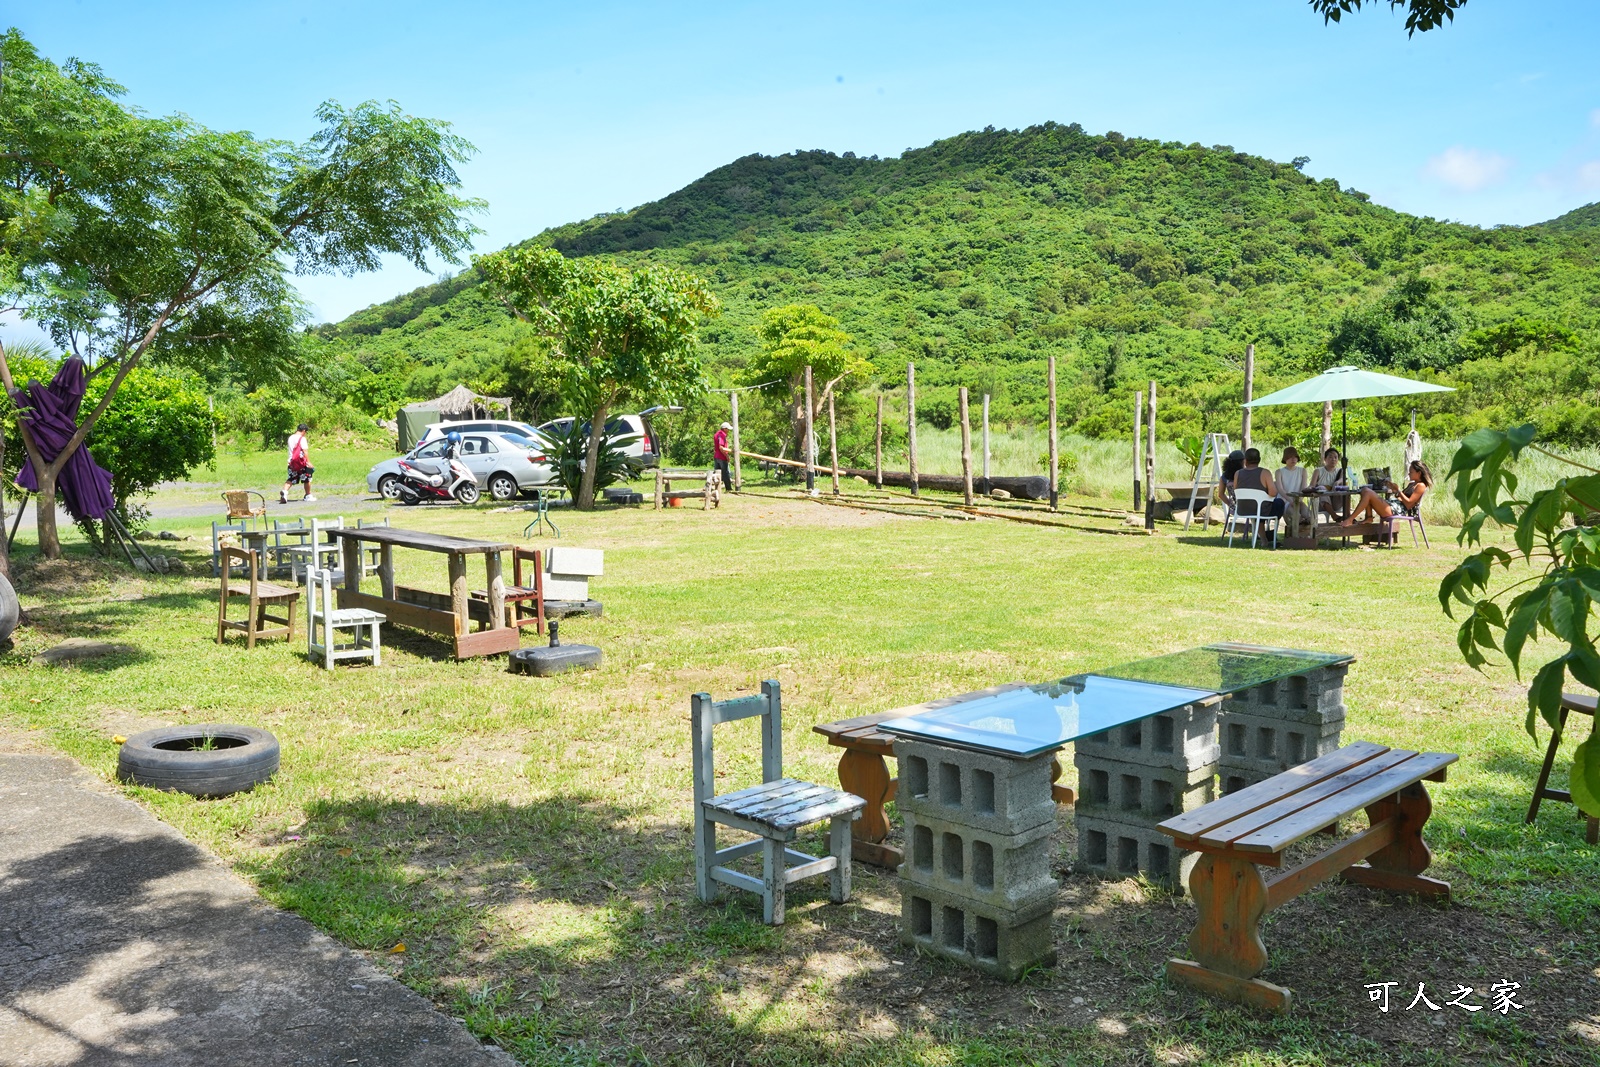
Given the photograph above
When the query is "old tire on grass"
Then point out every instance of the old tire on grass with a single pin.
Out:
(10, 610)
(203, 760)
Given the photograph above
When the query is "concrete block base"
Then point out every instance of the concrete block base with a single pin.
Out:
(976, 789)
(1009, 871)
(997, 941)
(1122, 792)
(1117, 849)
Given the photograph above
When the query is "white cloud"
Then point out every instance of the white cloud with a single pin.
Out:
(1589, 174)
(1468, 169)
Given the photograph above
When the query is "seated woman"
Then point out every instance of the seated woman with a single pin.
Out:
(1291, 478)
(1328, 476)
(1231, 466)
(1372, 507)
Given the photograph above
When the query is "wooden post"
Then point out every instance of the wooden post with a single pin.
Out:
(985, 444)
(911, 424)
(660, 490)
(386, 569)
(457, 565)
(1327, 429)
(1055, 461)
(1138, 430)
(738, 475)
(1150, 464)
(494, 569)
(833, 444)
(805, 446)
(1249, 390)
(878, 466)
(966, 449)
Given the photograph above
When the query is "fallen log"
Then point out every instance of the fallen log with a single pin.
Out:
(1033, 487)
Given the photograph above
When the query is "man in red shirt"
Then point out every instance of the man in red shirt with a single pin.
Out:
(720, 454)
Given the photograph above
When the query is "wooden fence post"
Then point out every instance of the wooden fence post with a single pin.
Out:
(878, 466)
(985, 444)
(911, 424)
(1150, 464)
(1054, 459)
(966, 449)
(806, 445)
(1138, 431)
(833, 444)
(738, 475)
(1249, 390)
(659, 490)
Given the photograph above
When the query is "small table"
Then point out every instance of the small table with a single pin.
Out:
(449, 614)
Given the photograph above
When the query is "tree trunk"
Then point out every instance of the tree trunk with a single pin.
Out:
(5, 556)
(44, 513)
(597, 429)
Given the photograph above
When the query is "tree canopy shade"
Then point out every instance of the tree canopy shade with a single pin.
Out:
(124, 235)
(620, 336)
(797, 336)
(1421, 15)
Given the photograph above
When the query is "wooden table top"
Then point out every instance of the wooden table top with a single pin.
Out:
(427, 542)
(862, 731)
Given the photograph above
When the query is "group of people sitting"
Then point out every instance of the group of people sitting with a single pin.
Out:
(1243, 470)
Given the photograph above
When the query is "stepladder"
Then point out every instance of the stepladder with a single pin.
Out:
(1207, 473)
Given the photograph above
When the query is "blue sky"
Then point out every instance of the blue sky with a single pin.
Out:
(582, 108)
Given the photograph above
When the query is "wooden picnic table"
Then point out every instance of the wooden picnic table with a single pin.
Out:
(864, 772)
(448, 614)
(1330, 531)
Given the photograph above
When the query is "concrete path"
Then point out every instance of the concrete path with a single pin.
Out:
(123, 943)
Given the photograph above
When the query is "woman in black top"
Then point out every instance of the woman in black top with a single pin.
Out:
(1372, 507)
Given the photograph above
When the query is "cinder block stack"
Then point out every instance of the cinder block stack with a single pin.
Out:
(975, 884)
(1133, 776)
(1267, 729)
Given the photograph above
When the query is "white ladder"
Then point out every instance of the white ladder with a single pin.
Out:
(1215, 447)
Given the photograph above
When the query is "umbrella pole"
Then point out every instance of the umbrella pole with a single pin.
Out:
(1344, 439)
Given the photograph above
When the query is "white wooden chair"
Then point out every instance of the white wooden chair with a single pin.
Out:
(309, 556)
(366, 641)
(374, 554)
(775, 811)
(1250, 505)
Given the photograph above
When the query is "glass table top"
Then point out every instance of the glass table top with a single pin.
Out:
(1029, 720)
(1224, 668)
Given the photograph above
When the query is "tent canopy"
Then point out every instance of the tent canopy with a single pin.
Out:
(462, 401)
(1346, 383)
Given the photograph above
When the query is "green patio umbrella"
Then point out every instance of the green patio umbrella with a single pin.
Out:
(1345, 384)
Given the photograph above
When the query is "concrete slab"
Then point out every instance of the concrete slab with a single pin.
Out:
(121, 942)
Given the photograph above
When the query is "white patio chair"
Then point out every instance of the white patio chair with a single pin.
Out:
(366, 642)
(1250, 505)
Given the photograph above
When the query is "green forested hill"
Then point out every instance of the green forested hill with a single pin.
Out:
(1128, 259)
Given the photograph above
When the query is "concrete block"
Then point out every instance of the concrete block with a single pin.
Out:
(1000, 942)
(575, 562)
(1115, 849)
(1009, 871)
(1122, 791)
(976, 789)
(1260, 746)
(1314, 697)
(562, 588)
(1182, 738)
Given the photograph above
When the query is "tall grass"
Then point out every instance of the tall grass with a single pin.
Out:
(1105, 468)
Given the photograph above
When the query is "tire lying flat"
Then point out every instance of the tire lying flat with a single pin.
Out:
(10, 610)
(172, 758)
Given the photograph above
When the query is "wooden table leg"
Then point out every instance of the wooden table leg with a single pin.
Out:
(1230, 897)
(866, 775)
(352, 564)
(497, 591)
(458, 591)
(1061, 794)
(386, 570)
(1399, 865)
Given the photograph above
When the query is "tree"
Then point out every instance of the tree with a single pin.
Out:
(1557, 538)
(126, 236)
(620, 336)
(1421, 15)
(1411, 328)
(793, 338)
(159, 430)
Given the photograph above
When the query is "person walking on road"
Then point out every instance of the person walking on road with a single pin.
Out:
(300, 468)
(720, 454)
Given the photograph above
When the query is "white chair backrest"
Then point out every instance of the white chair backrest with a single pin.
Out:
(319, 592)
(1249, 503)
(705, 713)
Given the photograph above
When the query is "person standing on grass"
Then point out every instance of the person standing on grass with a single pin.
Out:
(720, 454)
(300, 468)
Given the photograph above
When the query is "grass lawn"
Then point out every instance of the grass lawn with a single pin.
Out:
(527, 840)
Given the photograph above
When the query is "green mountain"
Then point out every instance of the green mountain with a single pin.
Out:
(1127, 259)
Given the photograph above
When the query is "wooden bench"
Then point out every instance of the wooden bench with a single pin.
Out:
(1251, 829)
(864, 772)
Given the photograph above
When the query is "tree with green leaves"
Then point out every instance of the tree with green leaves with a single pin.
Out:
(159, 430)
(1421, 15)
(797, 336)
(1556, 546)
(1412, 327)
(620, 336)
(126, 236)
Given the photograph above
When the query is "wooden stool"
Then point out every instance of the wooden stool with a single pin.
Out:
(775, 811)
(1250, 829)
(1583, 704)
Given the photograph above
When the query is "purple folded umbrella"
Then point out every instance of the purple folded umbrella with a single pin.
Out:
(51, 414)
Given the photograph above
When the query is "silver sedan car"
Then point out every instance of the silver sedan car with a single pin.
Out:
(504, 464)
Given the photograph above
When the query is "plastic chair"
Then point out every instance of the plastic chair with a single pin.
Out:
(1250, 505)
(1411, 519)
(365, 624)
(775, 811)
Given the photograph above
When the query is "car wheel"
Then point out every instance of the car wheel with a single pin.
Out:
(389, 487)
(503, 487)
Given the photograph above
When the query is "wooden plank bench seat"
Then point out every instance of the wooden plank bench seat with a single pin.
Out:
(864, 772)
(1250, 829)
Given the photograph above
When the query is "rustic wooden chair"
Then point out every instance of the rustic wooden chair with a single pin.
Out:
(775, 811)
(364, 624)
(261, 597)
(374, 553)
(239, 506)
(1583, 704)
(524, 598)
